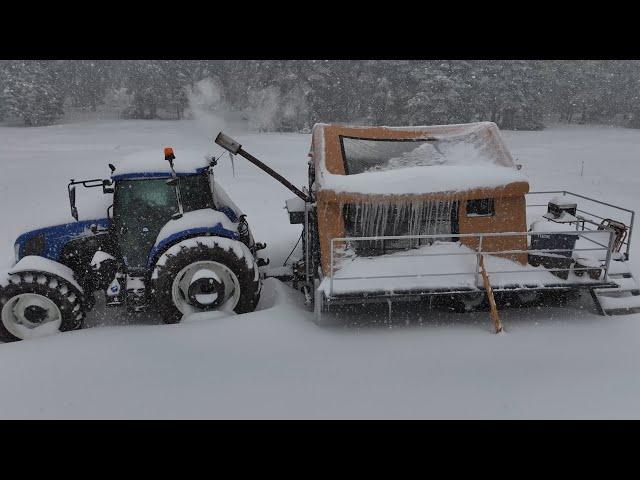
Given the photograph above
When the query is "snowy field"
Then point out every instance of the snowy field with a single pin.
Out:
(275, 363)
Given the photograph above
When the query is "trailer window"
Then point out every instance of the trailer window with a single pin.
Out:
(483, 207)
(366, 154)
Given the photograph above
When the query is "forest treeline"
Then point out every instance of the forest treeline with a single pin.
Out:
(292, 95)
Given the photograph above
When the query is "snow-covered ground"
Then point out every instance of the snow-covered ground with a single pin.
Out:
(275, 363)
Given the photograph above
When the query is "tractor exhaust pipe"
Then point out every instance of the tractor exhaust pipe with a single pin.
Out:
(235, 148)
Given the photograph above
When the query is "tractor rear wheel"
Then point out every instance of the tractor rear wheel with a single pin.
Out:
(35, 304)
(205, 274)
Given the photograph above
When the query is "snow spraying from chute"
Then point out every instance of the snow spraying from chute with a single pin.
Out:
(207, 106)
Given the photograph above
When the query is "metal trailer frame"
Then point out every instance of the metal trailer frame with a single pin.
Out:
(592, 218)
(583, 228)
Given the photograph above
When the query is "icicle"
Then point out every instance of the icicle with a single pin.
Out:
(233, 165)
(411, 218)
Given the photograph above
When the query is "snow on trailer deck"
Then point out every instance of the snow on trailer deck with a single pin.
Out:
(443, 265)
(451, 265)
(554, 362)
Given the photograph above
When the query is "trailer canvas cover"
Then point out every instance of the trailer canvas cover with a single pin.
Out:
(390, 160)
(421, 173)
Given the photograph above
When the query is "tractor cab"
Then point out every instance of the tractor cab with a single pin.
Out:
(148, 194)
(157, 203)
(151, 194)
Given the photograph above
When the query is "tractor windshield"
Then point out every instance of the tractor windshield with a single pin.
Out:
(142, 207)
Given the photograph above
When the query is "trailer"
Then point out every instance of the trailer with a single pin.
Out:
(400, 214)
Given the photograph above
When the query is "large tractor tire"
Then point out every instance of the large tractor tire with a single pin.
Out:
(205, 274)
(35, 304)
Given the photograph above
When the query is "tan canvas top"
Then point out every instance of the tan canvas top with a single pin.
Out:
(412, 160)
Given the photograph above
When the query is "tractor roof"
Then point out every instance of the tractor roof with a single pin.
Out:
(151, 164)
(412, 160)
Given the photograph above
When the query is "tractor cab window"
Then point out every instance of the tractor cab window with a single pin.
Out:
(195, 192)
(142, 207)
(145, 199)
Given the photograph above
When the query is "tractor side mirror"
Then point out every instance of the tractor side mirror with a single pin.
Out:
(112, 167)
(107, 186)
(72, 202)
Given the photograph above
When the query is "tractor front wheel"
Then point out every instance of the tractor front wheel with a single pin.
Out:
(35, 304)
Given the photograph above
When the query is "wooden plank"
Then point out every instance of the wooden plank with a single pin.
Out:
(495, 317)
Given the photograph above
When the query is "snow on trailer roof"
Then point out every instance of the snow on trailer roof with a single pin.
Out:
(392, 160)
(151, 163)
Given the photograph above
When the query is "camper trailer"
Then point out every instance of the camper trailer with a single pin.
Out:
(372, 181)
(408, 213)
(395, 214)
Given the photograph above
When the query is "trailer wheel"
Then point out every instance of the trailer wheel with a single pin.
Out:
(205, 274)
(35, 304)
(527, 298)
(468, 302)
(319, 308)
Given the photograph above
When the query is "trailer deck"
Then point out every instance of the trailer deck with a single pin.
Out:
(444, 266)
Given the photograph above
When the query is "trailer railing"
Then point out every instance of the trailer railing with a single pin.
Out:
(340, 246)
(588, 218)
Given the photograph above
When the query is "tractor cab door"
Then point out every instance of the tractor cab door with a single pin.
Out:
(141, 208)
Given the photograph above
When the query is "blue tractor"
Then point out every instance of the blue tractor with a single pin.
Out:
(172, 241)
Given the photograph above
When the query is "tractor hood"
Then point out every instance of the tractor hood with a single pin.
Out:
(48, 242)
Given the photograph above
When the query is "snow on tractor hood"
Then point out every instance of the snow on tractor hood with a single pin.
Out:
(151, 164)
(411, 160)
(48, 242)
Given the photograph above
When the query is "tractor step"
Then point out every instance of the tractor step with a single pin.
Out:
(623, 300)
(625, 284)
(619, 268)
(619, 275)
(614, 305)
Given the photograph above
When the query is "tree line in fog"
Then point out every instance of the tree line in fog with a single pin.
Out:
(292, 95)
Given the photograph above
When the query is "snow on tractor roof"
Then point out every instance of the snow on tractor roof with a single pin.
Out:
(151, 163)
(406, 160)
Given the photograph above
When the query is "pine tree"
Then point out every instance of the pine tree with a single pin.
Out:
(87, 81)
(146, 82)
(31, 92)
